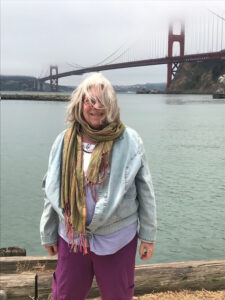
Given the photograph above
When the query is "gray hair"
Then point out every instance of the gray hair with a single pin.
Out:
(108, 99)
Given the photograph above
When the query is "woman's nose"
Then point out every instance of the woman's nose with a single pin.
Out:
(97, 105)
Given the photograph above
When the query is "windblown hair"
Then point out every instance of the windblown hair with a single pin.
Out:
(108, 99)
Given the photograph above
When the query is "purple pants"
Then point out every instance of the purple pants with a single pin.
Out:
(114, 273)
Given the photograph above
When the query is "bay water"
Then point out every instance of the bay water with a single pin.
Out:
(184, 138)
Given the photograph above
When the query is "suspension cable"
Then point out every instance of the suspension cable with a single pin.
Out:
(114, 52)
(217, 15)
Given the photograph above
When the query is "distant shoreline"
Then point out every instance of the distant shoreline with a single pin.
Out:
(40, 97)
(66, 98)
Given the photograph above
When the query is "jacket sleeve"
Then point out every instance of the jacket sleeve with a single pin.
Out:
(50, 219)
(146, 198)
(49, 222)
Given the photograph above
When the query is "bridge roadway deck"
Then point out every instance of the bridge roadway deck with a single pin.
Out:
(139, 63)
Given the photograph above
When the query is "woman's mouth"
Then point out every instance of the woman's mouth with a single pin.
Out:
(96, 114)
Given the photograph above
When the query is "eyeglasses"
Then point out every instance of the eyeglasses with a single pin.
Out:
(91, 102)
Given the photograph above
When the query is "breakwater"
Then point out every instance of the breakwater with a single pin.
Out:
(40, 97)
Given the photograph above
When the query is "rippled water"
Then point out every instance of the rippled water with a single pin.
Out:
(184, 137)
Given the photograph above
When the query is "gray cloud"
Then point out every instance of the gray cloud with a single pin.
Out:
(36, 34)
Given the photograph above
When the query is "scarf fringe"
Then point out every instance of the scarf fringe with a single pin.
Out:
(73, 235)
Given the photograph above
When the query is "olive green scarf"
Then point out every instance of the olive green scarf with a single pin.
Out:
(73, 181)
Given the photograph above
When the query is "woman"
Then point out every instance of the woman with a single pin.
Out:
(98, 193)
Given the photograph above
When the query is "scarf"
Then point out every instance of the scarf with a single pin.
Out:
(73, 181)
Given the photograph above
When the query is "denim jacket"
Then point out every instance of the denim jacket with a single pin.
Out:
(126, 196)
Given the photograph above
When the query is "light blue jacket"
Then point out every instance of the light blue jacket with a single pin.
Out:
(127, 194)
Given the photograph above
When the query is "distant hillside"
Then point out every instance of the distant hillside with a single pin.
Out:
(27, 83)
(17, 83)
(135, 87)
(198, 77)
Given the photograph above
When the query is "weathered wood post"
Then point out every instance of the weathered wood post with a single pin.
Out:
(36, 288)
(3, 295)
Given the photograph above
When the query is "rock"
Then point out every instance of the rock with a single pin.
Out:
(12, 251)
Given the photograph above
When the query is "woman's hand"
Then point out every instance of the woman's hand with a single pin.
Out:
(146, 250)
(52, 249)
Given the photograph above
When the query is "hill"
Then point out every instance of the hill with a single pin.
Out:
(26, 84)
(197, 77)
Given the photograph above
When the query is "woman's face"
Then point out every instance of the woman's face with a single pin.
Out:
(94, 113)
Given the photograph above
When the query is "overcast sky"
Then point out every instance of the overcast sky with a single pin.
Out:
(38, 33)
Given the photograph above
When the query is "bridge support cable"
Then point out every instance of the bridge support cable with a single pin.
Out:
(202, 34)
(212, 34)
(219, 29)
(208, 39)
(109, 56)
(222, 37)
(217, 15)
(155, 45)
(217, 33)
(75, 66)
(119, 56)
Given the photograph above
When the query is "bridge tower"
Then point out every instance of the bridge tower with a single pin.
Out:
(172, 67)
(53, 81)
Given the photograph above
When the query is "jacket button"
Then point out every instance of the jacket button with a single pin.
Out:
(105, 195)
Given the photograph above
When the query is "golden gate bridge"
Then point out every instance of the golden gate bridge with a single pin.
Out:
(210, 40)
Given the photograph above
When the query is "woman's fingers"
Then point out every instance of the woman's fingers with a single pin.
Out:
(55, 248)
(146, 250)
(49, 249)
(52, 250)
